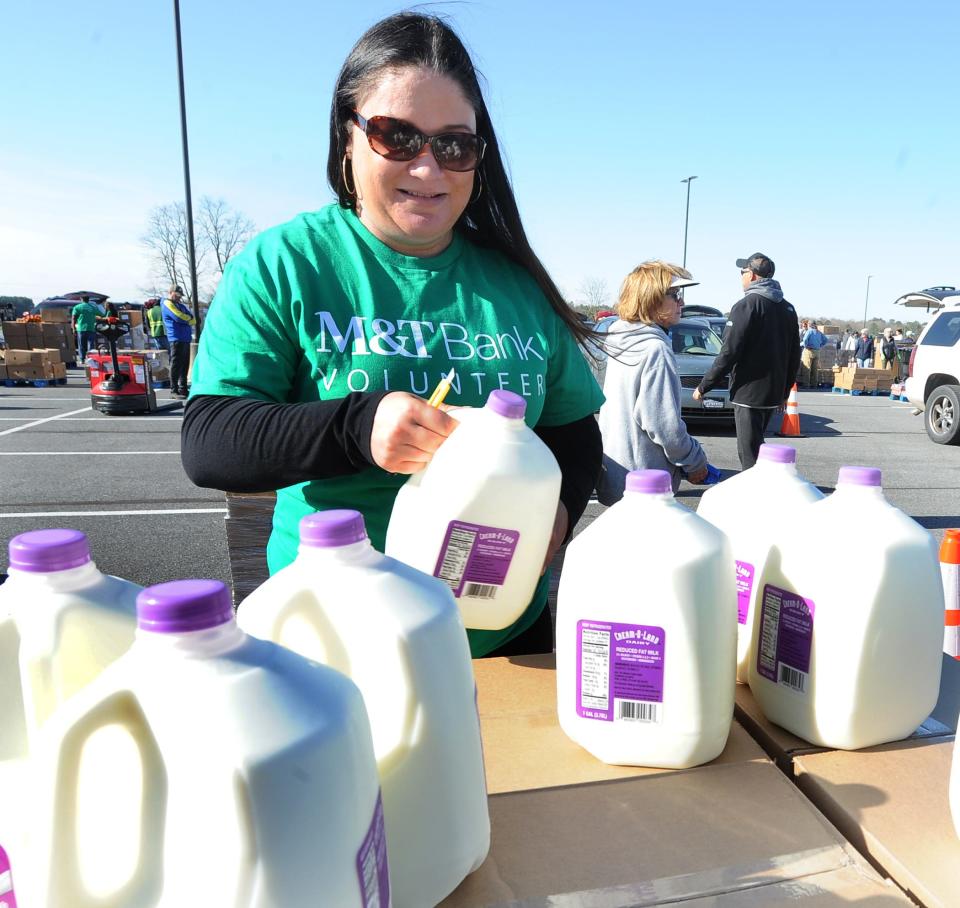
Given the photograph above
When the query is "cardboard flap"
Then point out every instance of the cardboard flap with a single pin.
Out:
(652, 840)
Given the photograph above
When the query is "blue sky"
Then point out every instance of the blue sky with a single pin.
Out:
(826, 135)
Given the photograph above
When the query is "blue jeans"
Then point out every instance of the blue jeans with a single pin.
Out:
(86, 341)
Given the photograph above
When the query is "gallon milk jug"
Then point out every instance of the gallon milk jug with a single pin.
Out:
(480, 514)
(646, 632)
(61, 623)
(847, 637)
(398, 635)
(208, 768)
(748, 507)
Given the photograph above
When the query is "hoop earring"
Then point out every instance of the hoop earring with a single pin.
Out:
(346, 184)
(479, 188)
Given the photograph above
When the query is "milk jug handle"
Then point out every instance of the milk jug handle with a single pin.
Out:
(145, 883)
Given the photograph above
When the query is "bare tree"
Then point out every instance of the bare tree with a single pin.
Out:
(225, 231)
(219, 234)
(166, 238)
(594, 292)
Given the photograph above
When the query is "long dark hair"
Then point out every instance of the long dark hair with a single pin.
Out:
(493, 220)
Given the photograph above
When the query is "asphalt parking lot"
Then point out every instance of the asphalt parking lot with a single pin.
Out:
(119, 478)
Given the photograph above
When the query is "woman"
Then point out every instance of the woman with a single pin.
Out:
(864, 350)
(640, 421)
(328, 332)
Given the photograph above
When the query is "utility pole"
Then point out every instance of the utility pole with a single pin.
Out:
(686, 222)
(191, 248)
(867, 300)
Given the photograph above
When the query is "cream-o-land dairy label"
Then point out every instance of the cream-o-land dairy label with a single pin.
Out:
(474, 559)
(786, 637)
(620, 671)
(372, 868)
(745, 574)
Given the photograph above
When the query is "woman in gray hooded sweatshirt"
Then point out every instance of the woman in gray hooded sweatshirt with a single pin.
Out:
(640, 421)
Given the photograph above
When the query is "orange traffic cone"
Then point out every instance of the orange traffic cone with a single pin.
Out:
(790, 427)
(950, 571)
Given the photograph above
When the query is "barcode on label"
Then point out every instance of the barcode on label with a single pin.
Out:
(792, 678)
(480, 591)
(455, 558)
(638, 711)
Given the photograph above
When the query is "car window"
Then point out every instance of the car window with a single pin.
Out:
(944, 331)
(694, 340)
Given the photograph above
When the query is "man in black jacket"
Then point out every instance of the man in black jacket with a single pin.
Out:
(761, 353)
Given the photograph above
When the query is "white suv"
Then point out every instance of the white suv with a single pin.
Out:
(933, 382)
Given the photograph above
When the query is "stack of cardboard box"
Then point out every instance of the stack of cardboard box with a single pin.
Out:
(853, 378)
(33, 365)
(46, 335)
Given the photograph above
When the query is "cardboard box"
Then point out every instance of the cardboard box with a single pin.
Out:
(15, 335)
(784, 747)
(34, 335)
(22, 357)
(59, 370)
(3, 372)
(42, 372)
(56, 316)
(523, 744)
(892, 803)
(730, 835)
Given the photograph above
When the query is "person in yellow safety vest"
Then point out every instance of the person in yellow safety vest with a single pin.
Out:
(155, 324)
(178, 322)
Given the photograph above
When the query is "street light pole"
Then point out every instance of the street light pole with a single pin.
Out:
(867, 300)
(191, 247)
(686, 222)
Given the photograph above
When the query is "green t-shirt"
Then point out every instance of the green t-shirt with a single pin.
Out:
(319, 307)
(86, 316)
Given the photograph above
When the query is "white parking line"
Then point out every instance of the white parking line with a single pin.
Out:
(40, 422)
(79, 453)
(92, 419)
(115, 513)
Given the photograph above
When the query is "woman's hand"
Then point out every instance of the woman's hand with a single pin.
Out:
(407, 432)
(560, 524)
(697, 476)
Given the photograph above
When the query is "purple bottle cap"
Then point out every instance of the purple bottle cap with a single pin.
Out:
(777, 453)
(45, 551)
(649, 482)
(331, 529)
(184, 605)
(508, 404)
(859, 476)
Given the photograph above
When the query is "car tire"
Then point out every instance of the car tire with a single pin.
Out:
(942, 415)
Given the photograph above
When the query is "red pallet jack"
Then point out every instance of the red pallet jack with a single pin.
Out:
(120, 383)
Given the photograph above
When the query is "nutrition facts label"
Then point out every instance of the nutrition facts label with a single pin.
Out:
(786, 638)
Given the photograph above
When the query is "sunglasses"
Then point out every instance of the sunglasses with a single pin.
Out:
(676, 293)
(745, 270)
(397, 140)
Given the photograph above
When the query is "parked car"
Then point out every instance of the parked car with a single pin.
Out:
(933, 376)
(695, 345)
(716, 319)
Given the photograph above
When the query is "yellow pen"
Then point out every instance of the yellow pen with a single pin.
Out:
(440, 392)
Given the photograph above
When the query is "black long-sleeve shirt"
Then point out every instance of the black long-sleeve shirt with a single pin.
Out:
(239, 444)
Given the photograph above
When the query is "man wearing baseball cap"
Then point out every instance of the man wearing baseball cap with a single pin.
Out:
(178, 322)
(760, 352)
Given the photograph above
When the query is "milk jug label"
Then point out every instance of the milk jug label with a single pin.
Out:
(786, 635)
(372, 863)
(474, 559)
(620, 671)
(744, 590)
(7, 898)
